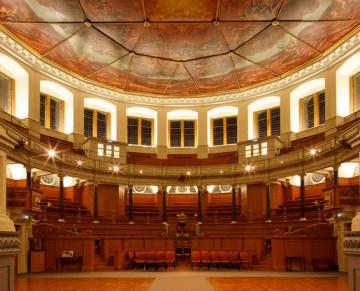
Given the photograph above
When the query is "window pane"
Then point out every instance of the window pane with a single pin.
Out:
(322, 108)
(309, 112)
(133, 131)
(231, 130)
(175, 133)
(146, 132)
(101, 125)
(262, 124)
(54, 114)
(116, 152)
(108, 150)
(275, 121)
(189, 133)
(218, 131)
(6, 89)
(42, 109)
(100, 149)
(88, 122)
(264, 148)
(255, 149)
(248, 151)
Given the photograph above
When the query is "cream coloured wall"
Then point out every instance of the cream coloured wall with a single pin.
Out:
(333, 107)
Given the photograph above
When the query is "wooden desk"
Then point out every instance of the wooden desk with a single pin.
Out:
(60, 261)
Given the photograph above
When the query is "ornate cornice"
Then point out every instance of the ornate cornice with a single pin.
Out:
(15, 48)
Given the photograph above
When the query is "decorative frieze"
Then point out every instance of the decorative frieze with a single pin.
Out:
(9, 242)
(352, 242)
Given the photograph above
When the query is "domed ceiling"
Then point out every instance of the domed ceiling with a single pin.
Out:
(180, 47)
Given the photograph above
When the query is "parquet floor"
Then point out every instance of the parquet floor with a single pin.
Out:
(86, 284)
(279, 284)
(182, 281)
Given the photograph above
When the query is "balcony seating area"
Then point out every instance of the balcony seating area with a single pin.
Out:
(145, 208)
(219, 259)
(219, 208)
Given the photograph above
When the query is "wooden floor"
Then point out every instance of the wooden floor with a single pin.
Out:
(174, 281)
(279, 284)
(78, 284)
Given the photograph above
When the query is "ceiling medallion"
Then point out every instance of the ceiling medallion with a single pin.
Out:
(24, 54)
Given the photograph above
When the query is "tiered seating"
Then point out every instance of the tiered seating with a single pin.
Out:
(17, 197)
(219, 207)
(151, 258)
(70, 207)
(221, 258)
(145, 207)
(178, 203)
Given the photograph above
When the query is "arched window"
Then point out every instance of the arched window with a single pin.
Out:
(264, 117)
(348, 86)
(182, 128)
(307, 105)
(222, 126)
(14, 88)
(141, 126)
(56, 107)
(99, 119)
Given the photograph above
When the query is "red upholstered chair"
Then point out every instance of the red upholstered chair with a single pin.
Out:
(235, 259)
(160, 258)
(140, 259)
(205, 258)
(245, 259)
(195, 259)
(169, 258)
(151, 258)
(228, 257)
(215, 259)
(131, 259)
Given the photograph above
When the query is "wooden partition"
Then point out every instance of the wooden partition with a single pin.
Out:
(306, 249)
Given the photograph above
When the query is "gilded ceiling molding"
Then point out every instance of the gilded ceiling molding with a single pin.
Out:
(27, 56)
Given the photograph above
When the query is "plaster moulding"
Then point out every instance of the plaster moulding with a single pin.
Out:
(22, 53)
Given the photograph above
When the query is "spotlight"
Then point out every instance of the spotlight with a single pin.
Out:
(313, 152)
(221, 171)
(79, 163)
(110, 168)
(141, 171)
(51, 153)
(249, 168)
(116, 169)
(188, 173)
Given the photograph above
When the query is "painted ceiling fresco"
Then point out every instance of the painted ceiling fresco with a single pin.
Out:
(180, 47)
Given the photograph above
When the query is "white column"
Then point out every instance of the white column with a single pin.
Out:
(242, 121)
(78, 113)
(285, 112)
(6, 224)
(330, 94)
(34, 96)
(162, 127)
(202, 133)
(121, 122)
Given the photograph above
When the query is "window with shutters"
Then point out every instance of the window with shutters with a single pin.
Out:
(181, 133)
(267, 122)
(355, 92)
(140, 131)
(96, 123)
(312, 110)
(7, 89)
(224, 130)
(51, 112)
